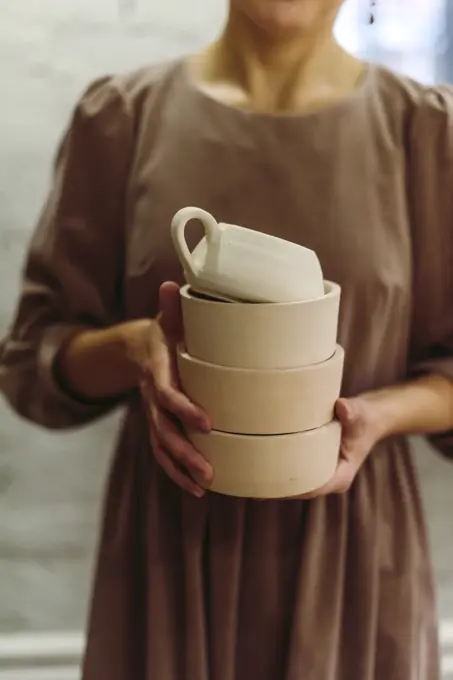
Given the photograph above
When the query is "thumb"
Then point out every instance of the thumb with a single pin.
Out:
(351, 415)
(346, 412)
(170, 309)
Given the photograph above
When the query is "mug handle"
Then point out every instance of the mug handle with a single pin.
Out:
(178, 227)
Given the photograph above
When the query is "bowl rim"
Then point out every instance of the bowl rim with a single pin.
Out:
(337, 357)
(333, 290)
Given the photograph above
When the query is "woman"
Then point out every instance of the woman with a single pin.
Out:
(276, 128)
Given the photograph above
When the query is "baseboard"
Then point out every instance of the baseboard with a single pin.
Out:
(56, 656)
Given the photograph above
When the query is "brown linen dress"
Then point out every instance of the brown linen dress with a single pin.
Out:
(338, 588)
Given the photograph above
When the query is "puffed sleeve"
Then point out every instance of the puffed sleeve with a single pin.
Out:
(431, 190)
(72, 276)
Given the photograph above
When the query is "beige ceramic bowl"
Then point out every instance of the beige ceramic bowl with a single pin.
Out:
(272, 336)
(270, 467)
(255, 401)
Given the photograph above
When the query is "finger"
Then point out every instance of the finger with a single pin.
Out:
(344, 411)
(184, 481)
(350, 414)
(180, 448)
(170, 309)
(178, 404)
(161, 382)
(164, 460)
(342, 479)
(340, 482)
(160, 360)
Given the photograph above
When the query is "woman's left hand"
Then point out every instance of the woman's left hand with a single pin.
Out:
(361, 430)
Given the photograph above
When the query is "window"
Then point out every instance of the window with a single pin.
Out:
(411, 36)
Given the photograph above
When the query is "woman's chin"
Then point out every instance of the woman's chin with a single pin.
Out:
(290, 16)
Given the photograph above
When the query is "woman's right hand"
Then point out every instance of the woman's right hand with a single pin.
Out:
(169, 410)
(106, 363)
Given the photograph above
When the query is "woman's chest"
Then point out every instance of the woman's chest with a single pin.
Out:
(348, 207)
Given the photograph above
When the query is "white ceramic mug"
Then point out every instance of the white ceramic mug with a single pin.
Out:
(243, 264)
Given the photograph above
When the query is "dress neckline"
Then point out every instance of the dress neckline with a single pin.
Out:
(340, 106)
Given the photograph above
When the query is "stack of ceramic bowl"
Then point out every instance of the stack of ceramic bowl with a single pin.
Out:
(267, 374)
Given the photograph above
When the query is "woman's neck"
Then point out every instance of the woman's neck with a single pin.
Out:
(247, 68)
